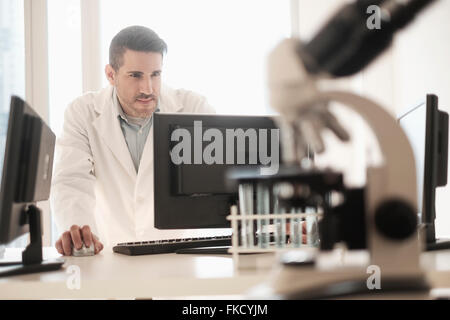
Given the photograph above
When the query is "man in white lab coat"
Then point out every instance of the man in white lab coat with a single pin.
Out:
(102, 189)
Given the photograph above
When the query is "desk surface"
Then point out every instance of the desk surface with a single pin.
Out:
(111, 275)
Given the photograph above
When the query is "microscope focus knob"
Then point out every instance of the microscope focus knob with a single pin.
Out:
(395, 219)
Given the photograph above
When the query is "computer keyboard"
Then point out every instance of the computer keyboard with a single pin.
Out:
(169, 246)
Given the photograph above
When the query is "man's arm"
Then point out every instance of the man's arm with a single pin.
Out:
(72, 196)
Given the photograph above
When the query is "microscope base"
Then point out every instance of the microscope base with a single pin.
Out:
(400, 288)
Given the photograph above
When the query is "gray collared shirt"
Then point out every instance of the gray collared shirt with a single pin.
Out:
(135, 131)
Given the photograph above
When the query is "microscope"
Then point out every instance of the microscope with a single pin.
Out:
(380, 217)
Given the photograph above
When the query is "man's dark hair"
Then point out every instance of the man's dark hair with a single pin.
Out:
(136, 38)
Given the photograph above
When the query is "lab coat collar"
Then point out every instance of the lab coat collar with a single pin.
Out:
(108, 127)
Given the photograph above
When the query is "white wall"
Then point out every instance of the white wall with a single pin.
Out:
(417, 63)
(422, 65)
(349, 158)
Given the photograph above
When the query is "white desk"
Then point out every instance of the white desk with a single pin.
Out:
(110, 275)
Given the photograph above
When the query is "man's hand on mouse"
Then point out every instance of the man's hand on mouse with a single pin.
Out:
(75, 237)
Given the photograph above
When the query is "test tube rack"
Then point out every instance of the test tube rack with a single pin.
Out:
(290, 202)
(293, 225)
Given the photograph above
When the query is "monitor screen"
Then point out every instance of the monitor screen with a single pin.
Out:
(413, 123)
(4, 115)
(27, 146)
(192, 154)
(427, 130)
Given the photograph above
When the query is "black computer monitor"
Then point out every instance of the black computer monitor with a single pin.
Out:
(26, 152)
(190, 177)
(427, 129)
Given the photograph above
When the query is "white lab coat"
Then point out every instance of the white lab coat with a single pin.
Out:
(94, 179)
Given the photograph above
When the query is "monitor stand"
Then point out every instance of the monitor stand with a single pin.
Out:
(32, 255)
(402, 287)
(210, 250)
(220, 249)
(438, 244)
(433, 244)
(205, 250)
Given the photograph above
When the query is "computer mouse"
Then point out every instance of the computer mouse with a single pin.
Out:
(83, 251)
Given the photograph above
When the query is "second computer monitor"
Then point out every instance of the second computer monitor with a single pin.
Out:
(26, 160)
(192, 154)
(427, 129)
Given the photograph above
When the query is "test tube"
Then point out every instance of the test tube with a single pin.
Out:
(263, 208)
(280, 227)
(312, 235)
(275, 211)
(246, 208)
(315, 229)
(296, 229)
(283, 229)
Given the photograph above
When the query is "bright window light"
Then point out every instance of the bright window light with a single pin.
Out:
(12, 72)
(215, 48)
(64, 64)
(12, 52)
(64, 58)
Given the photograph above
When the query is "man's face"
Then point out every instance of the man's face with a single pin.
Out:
(137, 82)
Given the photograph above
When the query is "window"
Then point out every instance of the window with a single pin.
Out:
(12, 52)
(215, 48)
(12, 70)
(64, 52)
